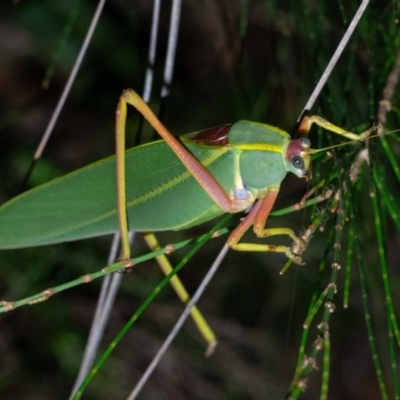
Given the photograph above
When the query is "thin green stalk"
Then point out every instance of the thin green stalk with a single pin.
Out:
(145, 304)
(384, 267)
(46, 294)
(364, 296)
(325, 363)
(117, 266)
(393, 361)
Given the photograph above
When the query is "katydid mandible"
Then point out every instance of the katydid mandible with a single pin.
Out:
(169, 184)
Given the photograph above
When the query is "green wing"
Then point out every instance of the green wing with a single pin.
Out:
(161, 195)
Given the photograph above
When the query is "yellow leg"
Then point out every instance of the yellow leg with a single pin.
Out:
(130, 97)
(273, 248)
(120, 121)
(183, 295)
(308, 121)
(258, 217)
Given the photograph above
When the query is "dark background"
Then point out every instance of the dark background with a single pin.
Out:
(266, 74)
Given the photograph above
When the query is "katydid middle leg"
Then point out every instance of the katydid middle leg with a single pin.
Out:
(258, 217)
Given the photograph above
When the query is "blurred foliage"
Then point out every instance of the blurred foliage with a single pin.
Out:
(262, 67)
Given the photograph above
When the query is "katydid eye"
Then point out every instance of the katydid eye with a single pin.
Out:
(305, 142)
(298, 162)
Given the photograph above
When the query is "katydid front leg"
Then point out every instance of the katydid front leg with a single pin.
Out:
(308, 121)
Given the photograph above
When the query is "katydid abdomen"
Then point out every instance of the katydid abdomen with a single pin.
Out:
(161, 195)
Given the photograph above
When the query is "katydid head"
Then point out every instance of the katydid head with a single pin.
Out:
(299, 151)
(298, 156)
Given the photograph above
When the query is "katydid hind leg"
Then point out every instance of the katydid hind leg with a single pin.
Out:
(183, 295)
(205, 179)
(120, 121)
(121, 114)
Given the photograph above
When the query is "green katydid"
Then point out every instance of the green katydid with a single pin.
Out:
(169, 184)
(236, 167)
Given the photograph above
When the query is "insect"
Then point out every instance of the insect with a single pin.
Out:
(168, 184)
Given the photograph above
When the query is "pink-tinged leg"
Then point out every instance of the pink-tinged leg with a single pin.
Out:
(258, 217)
(200, 173)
